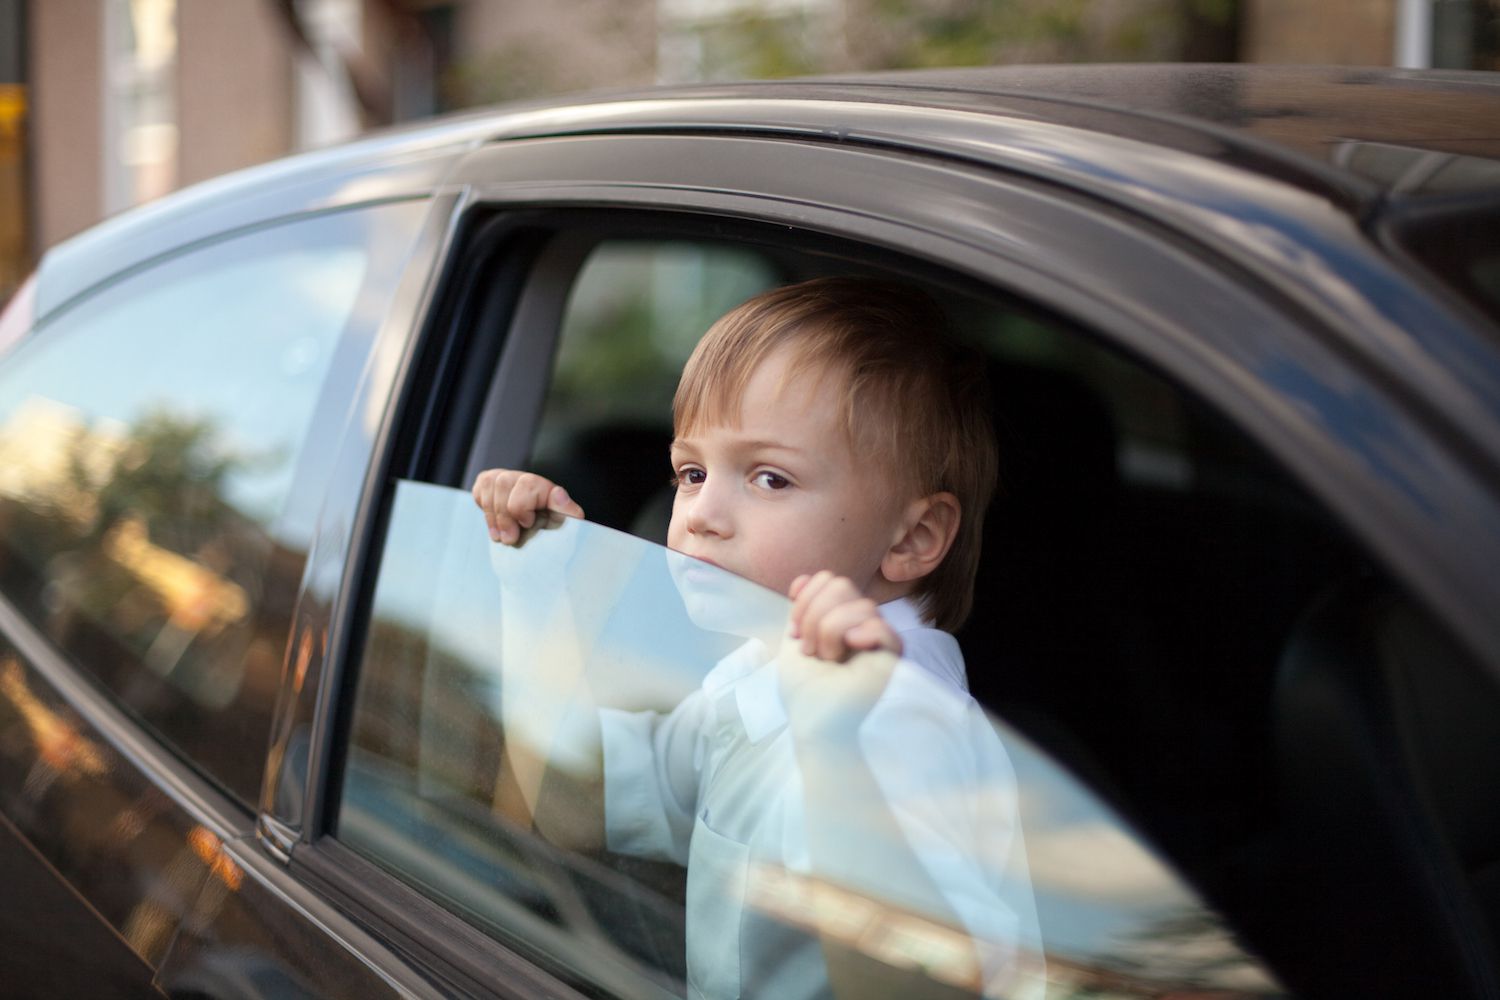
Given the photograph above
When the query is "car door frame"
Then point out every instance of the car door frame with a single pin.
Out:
(1142, 283)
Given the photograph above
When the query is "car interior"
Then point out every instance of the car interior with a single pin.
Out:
(1158, 605)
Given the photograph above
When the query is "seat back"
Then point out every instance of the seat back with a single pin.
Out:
(1388, 743)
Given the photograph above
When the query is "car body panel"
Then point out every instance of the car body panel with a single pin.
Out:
(256, 932)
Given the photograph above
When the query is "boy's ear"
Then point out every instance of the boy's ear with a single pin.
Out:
(926, 533)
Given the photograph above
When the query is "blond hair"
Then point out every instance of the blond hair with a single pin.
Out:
(911, 397)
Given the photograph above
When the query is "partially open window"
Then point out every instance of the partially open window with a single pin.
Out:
(1144, 566)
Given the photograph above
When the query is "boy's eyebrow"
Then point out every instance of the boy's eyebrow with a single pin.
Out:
(759, 444)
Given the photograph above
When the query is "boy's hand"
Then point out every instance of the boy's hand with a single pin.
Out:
(835, 621)
(510, 501)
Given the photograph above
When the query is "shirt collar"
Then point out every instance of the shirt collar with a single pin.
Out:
(758, 697)
(903, 614)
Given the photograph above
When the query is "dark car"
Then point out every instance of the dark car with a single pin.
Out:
(1237, 621)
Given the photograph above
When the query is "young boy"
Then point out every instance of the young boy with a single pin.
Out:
(830, 444)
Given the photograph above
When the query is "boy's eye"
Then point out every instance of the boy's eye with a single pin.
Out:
(689, 477)
(771, 481)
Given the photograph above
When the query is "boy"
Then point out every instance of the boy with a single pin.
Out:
(832, 445)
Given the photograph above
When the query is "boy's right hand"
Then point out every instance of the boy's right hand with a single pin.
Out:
(510, 501)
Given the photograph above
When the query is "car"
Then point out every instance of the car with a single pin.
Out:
(1235, 622)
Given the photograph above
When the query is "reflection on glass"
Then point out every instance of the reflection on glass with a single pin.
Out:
(149, 440)
(531, 732)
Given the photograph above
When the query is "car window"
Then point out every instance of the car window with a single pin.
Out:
(1144, 571)
(150, 440)
(634, 313)
(505, 692)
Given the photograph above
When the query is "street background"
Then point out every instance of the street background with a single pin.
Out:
(106, 104)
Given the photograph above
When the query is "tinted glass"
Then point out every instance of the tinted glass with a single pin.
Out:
(150, 438)
(496, 681)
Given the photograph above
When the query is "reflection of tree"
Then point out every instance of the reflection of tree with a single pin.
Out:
(121, 541)
(170, 476)
(128, 541)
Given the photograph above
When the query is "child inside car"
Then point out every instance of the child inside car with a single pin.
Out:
(832, 444)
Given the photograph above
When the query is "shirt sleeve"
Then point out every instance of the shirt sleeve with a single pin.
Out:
(653, 764)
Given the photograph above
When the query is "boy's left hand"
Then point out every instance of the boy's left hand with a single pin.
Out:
(834, 620)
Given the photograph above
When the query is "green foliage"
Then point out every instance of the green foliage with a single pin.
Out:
(615, 359)
(766, 47)
(766, 41)
(512, 73)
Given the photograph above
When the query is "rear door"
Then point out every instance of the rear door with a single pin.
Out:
(1170, 419)
(169, 438)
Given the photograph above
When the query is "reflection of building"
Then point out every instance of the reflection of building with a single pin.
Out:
(111, 102)
(14, 238)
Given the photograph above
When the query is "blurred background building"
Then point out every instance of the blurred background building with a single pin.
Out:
(105, 104)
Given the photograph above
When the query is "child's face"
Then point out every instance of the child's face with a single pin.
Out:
(780, 492)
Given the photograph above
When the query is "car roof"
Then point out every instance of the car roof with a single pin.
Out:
(1356, 137)
(1363, 130)
(1310, 110)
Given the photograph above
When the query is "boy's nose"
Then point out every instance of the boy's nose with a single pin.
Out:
(708, 511)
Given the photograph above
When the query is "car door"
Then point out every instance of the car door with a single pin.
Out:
(1172, 418)
(169, 435)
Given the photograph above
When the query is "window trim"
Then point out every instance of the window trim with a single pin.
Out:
(460, 955)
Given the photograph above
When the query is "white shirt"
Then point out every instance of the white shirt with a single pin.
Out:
(714, 785)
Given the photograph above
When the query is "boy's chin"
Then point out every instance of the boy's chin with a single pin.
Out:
(718, 601)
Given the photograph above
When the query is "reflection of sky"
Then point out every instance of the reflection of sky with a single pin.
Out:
(240, 335)
(1096, 886)
(1095, 883)
(439, 574)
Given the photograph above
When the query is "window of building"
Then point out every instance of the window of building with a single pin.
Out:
(140, 101)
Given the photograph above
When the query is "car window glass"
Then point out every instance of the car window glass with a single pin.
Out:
(1143, 570)
(569, 649)
(150, 437)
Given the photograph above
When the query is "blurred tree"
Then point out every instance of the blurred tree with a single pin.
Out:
(171, 475)
(901, 34)
(768, 40)
(910, 34)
